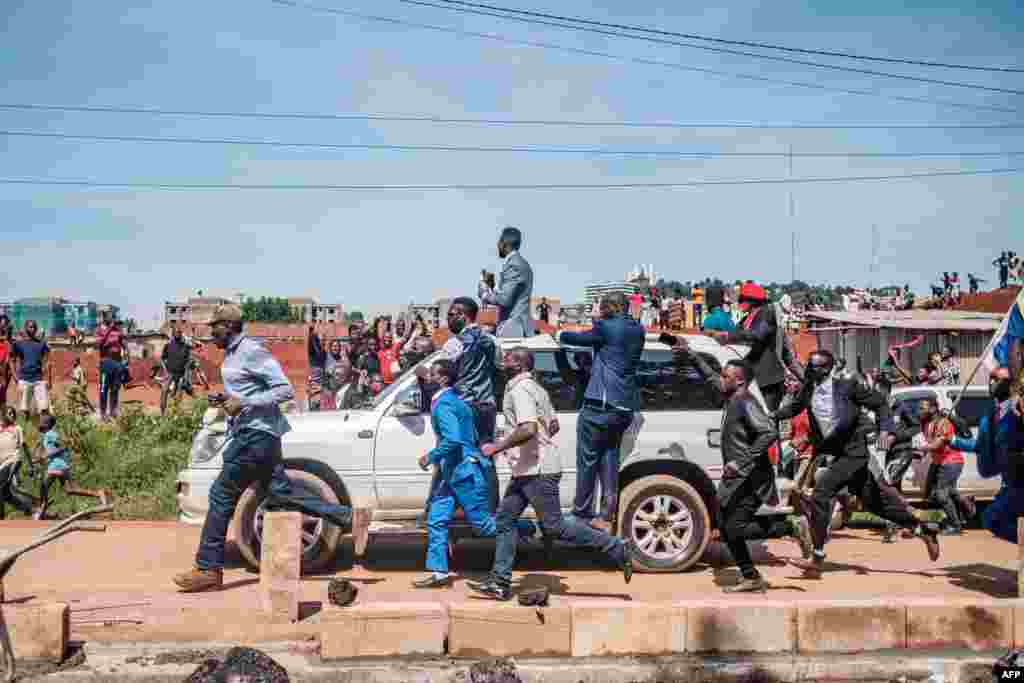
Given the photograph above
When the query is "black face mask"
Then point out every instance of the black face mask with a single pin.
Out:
(819, 373)
(457, 325)
(999, 389)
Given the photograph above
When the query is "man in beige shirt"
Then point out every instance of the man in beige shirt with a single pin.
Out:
(536, 471)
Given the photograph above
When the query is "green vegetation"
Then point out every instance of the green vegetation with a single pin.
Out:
(137, 457)
(269, 310)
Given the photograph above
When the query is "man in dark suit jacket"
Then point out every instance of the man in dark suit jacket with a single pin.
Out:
(611, 398)
(768, 348)
(839, 427)
(515, 287)
(748, 477)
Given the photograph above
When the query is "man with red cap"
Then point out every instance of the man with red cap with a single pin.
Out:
(770, 354)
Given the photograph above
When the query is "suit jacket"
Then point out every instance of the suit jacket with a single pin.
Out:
(999, 445)
(618, 345)
(850, 393)
(747, 434)
(515, 287)
(767, 345)
(457, 452)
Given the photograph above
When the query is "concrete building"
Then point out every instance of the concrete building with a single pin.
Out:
(197, 310)
(592, 293)
(575, 314)
(869, 335)
(311, 311)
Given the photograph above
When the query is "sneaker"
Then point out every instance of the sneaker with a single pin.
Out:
(802, 536)
(952, 531)
(627, 561)
(492, 588)
(197, 580)
(433, 581)
(930, 537)
(812, 567)
(754, 585)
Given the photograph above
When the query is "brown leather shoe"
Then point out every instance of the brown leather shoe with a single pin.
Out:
(197, 580)
(601, 525)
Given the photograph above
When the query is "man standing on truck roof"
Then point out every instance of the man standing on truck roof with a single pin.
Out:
(255, 386)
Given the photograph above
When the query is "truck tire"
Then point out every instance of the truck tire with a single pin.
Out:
(320, 538)
(667, 522)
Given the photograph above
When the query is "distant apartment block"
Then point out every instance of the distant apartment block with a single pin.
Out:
(311, 311)
(197, 310)
(54, 315)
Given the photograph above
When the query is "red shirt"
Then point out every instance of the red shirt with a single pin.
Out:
(387, 357)
(109, 339)
(947, 455)
(801, 429)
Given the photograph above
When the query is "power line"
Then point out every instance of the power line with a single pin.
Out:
(526, 149)
(495, 187)
(426, 118)
(744, 43)
(648, 62)
(720, 50)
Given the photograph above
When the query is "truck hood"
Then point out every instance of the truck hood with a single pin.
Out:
(312, 435)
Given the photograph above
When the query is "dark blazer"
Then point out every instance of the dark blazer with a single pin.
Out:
(764, 341)
(850, 393)
(747, 434)
(618, 344)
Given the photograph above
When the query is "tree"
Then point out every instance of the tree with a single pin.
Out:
(269, 310)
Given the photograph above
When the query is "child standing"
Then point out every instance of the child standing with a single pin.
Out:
(12, 450)
(58, 468)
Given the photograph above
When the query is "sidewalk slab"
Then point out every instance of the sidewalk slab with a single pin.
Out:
(851, 626)
(976, 626)
(734, 628)
(386, 630)
(38, 631)
(486, 629)
(600, 629)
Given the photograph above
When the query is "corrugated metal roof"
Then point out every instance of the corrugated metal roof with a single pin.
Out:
(914, 320)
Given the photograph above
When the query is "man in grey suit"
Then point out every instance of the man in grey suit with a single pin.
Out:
(515, 287)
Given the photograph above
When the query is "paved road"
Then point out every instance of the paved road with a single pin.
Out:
(133, 562)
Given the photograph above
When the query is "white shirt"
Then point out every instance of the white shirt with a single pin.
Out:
(527, 401)
(822, 406)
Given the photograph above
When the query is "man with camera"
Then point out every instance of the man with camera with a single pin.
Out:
(255, 386)
(514, 289)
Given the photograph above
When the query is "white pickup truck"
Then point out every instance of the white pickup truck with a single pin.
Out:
(367, 459)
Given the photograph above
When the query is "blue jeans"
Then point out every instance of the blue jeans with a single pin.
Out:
(1001, 515)
(110, 389)
(469, 492)
(599, 435)
(541, 491)
(252, 456)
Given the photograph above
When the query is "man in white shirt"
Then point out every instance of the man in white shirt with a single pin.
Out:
(536, 471)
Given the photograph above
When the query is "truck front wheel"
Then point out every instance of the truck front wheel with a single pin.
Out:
(666, 521)
(320, 539)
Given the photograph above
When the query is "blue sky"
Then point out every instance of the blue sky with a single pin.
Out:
(378, 250)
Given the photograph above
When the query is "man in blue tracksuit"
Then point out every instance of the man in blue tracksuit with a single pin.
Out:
(462, 480)
(1000, 449)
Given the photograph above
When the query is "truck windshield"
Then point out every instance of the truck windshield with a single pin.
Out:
(385, 396)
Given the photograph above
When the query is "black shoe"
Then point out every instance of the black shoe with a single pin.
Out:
(627, 561)
(754, 585)
(433, 582)
(491, 588)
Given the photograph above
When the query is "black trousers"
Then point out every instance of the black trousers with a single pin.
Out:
(740, 524)
(878, 497)
(485, 415)
(940, 489)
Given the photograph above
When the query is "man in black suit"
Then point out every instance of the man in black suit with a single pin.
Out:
(835, 402)
(611, 398)
(748, 476)
(770, 353)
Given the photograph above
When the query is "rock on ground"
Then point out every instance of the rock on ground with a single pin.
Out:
(240, 665)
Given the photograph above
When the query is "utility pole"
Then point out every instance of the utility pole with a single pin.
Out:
(792, 216)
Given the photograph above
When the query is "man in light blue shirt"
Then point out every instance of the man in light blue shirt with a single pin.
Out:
(255, 386)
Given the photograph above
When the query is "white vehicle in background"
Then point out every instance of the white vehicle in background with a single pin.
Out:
(367, 458)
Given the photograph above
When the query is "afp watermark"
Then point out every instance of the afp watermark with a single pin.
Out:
(1009, 667)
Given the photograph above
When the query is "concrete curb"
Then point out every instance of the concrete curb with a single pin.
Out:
(587, 629)
(38, 631)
